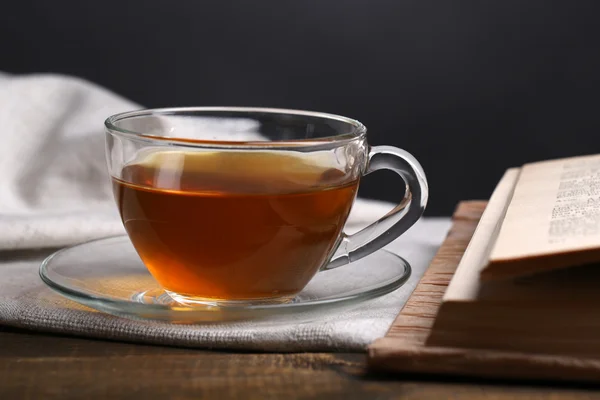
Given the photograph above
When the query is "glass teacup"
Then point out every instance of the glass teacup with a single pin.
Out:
(239, 206)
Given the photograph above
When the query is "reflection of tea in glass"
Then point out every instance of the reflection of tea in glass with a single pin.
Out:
(230, 225)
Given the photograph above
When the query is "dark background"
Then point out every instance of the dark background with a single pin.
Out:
(469, 87)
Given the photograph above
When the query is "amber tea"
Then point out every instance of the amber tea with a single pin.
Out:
(233, 225)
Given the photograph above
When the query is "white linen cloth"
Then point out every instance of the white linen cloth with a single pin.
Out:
(55, 191)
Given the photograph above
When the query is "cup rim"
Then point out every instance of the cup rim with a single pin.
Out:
(359, 131)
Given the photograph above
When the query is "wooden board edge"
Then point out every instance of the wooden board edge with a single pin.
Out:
(466, 212)
(482, 363)
(470, 210)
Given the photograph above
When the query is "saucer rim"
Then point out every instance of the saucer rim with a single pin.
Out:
(130, 308)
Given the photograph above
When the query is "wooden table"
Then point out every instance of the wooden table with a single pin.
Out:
(41, 366)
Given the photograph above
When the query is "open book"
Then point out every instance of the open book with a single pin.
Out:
(530, 277)
(552, 218)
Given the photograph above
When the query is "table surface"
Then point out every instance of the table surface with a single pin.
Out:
(36, 366)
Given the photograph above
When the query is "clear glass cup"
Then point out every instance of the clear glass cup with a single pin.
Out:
(242, 206)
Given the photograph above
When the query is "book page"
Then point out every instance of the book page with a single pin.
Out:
(553, 219)
(465, 283)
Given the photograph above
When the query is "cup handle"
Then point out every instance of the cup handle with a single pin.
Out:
(396, 222)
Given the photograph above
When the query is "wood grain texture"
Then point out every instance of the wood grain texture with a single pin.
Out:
(404, 348)
(41, 366)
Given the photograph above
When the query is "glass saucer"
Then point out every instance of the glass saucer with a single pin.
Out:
(107, 274)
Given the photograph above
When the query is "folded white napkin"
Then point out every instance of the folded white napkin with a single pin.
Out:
(54, 188)
(55, 191)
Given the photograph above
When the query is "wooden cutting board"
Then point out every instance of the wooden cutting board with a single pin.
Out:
(403, 348)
